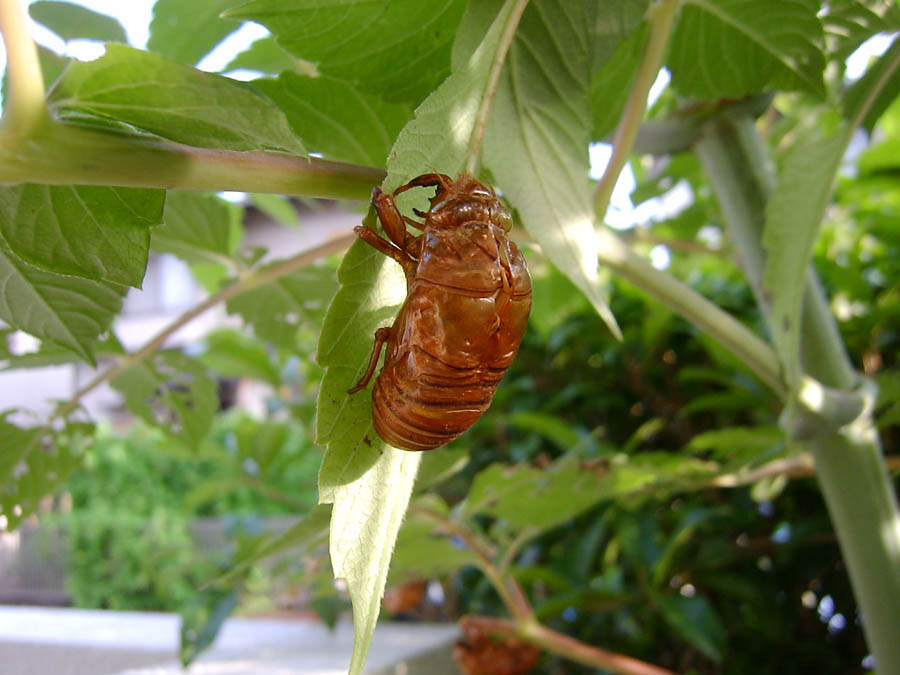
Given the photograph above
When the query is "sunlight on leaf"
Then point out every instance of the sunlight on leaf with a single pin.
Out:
(538, 137)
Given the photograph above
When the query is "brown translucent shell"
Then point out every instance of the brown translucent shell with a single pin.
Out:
(467, 304)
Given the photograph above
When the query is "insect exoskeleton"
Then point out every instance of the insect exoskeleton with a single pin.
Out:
(467, 304)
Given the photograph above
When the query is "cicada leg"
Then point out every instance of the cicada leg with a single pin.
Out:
(401, 255)
(390, 217)
(427, 180)
(382, 335)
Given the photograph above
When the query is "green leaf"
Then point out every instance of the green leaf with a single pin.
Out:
(232, 354)
(437, 467)
(201, 621)
(51, 354)
(616, 49)
(69, 311)
(731, 48)
(611, 84)
(34, 462)
(525, 496)
(277, 207)
(266, 56)
(695, 620)
(70, 21)
(304, 536)
(421, 554)
(537, 140)
(188, 35)
(793, 215)
(199, 228)
(100, 233)
(173, 392)
(875, 91)
(334, 118)
(849, 23)
(744, 443)
(277, 309)
(367, 513)
(399, 50)
(171, 100)
(368, 481)
(564, 436)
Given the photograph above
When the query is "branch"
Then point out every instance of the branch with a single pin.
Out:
(717, 323)
(25, 97)
(251, 281)
(511, 593)
(484, 109)
(563, 645)
(661, 17)
(68, 154)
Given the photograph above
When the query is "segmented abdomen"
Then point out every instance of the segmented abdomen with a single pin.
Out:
(439, 379)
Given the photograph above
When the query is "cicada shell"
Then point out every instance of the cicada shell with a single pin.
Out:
(467, 304)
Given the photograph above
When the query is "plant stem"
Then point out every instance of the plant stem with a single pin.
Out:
(661, 17)
(484, 108)
(563, 645)
(68, 154)
(849, 464)
(253, 279)
(511, 593)
(719, 324)
(25, 108)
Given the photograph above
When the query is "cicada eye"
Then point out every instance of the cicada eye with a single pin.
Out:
(501, 218)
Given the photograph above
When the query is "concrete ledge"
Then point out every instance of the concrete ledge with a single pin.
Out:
(53, 641)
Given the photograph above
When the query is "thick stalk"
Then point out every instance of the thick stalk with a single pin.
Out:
(66, 154)
(849, 464)
(711, 319)
(741, 173)
(25, 108)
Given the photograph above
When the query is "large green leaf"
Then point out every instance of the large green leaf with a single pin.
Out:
(611, 84)
(198, 228)
(35, 461)
(849, 23)
(537, 140)
(616, 49)
(171, 100)
(71, 21)
(173, 392)
(264, 55)
(399, 50)
(276, 309)
(187, 35)
(69, 311)
(334, 118)
(793, 215)
(100, 233)
(731, 48)
(368, 481)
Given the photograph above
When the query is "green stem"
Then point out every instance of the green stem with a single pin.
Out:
(67, 154)
(742, 174)
(253, 279)
(661, 17)
(849, 464)
(714, 321)
(563, 645)
(484, 108)
(25, 109)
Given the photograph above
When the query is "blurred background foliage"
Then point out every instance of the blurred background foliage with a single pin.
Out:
(640, 492)
(603, 476)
